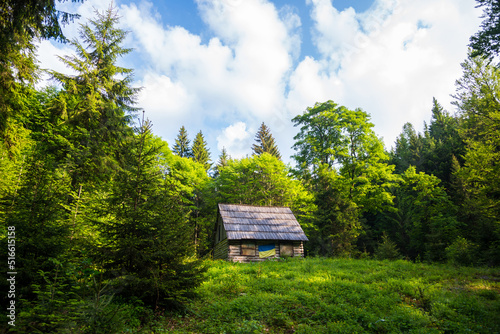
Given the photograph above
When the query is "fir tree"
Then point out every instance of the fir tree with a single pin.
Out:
(181, 147)
(223, 158)
(265, 142)
(96, 102)
(22, 24)
(36, 213)
(200, 152)
(485, 42)
(223, 161)
(148, 239)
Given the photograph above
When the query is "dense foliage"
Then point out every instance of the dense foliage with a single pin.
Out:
(102, 210)
(486, 42)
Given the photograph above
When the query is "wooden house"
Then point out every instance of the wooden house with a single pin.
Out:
(247, 233)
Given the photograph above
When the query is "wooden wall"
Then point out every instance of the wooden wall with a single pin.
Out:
(221, 250)
(298, 249)
(231, 250)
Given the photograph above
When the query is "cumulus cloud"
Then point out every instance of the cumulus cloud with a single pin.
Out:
(236, 139)
(248, 64)
(390, 60)
(239, 74)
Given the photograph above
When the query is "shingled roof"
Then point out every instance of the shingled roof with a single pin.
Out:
(260, 223)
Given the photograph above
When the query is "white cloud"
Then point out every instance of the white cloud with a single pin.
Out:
(390, 61)
(247, 67)
(236, 139)
(334, 31)
(160, 91)
(240, 74)
(48, 53)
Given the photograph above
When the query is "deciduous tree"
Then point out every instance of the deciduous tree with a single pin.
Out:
(261, 180)
(478, 102)
(336, 137)
(423, 221)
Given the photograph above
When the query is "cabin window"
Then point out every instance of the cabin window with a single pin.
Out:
(248, 249)
(286, 250)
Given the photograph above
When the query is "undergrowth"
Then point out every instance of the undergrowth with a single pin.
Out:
(317, 295)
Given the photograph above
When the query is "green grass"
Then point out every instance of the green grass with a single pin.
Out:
(317, 295)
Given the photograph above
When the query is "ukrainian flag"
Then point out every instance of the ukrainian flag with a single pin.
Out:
(267, 250)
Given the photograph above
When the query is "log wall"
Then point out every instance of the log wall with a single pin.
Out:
(298, 249)
(221, 250)
(234, 250)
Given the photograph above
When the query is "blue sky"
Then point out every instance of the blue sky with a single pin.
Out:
(226, 66)
(185, 14)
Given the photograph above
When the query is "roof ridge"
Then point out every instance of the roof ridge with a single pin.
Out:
(255, 206)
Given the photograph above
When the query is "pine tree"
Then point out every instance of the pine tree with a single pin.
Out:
(148, 239)
(223, 161)
(36, 211)
(200, 152)
(181, 147)
(22, 24)
(95, 105)
(265, 142)
(485, 42)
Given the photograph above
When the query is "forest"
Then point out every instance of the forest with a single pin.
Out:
(102, 220)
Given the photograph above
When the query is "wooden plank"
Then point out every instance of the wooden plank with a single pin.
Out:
(263, 228)
(251, 208)
(236, 256)
(234, 235)
(257, 215)
(286, 249)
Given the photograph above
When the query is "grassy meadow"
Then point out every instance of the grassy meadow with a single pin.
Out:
(318, 295)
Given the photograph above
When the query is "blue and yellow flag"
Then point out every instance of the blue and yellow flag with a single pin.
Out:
(266, 250)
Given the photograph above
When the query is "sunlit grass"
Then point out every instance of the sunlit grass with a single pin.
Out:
(317, 295)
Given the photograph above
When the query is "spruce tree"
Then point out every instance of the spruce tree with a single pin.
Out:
(181, 147)
(223, 161)
(36, 213)
(95, 105)
(200, 152)
(485, 42)
(22, 24)
(148, 242)
(265, 142)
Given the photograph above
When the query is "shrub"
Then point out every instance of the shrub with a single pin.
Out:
(462, 252)
(387, 250)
